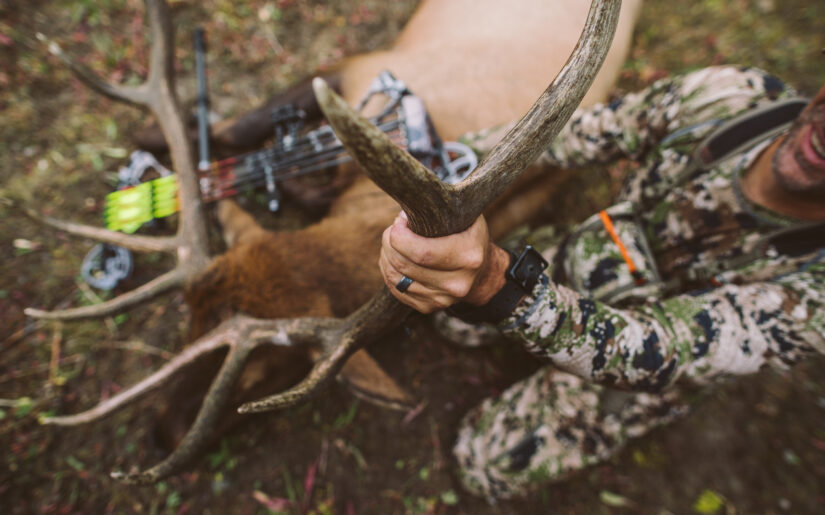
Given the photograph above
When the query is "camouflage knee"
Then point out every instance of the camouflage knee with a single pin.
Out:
(465, 334)
(547, 426)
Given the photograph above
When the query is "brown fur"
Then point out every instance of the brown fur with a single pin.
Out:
(296, 273)
(281, 275)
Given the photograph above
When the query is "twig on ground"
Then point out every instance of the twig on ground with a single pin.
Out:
(21, 333)
(54, 361)
(413, 413)
(94, 297)
(141, 346)
(44, 367)
(438, 456)
(30, 327)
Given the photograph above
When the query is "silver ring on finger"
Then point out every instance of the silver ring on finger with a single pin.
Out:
(403, 284)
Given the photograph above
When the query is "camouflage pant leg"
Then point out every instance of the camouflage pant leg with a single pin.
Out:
(464, 334)
(549, 425)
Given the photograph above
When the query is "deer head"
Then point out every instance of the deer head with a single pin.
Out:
(434, 209)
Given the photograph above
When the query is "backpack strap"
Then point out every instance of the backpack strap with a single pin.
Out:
(738, 134)
(792, 241)
(747, 129)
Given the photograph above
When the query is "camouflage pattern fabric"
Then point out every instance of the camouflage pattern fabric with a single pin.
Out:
(548, 426)
(768, 312)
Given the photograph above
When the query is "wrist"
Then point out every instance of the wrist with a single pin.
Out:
(519, 276)
(492, 279)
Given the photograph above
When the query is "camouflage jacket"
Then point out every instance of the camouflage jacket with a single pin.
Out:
(770, 310)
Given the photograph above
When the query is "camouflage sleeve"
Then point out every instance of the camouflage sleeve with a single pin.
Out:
(731, 330)
(634, 124)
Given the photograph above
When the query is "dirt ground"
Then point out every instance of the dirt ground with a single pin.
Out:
(752, 446)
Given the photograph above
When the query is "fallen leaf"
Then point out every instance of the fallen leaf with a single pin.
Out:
(615, 500)
(709, 502)
(271, 503)
(22, 244)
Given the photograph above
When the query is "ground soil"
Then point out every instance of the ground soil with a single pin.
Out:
(756, 445)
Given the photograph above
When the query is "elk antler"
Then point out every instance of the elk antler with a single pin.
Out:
(437, 209)
(157, 94)
(242, 335)
(434, 209)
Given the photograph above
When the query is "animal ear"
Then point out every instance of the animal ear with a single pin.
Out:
(367, 380)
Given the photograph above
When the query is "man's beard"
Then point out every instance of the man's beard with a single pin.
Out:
(814, 191)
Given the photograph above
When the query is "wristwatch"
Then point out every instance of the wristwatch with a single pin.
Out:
(521, 276)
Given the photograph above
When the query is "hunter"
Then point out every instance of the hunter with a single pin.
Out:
(710, 264)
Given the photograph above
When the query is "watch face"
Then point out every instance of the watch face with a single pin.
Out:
(527, 268)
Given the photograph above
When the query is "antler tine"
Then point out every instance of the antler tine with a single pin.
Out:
(542, 123)
(133, 242)
(341, 339)
(163, 102)
(445, 209)
(161, 63)
(322, 373)
(158, 94)
(391, 168)
(435, 209)
(150, 290)
(136, 95)
(162, 55)
(198, 435)
(243, 334)
(213, 340)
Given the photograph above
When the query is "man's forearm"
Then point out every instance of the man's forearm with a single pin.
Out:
(729, 331)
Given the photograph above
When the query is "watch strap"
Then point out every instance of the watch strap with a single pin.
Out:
(521, 276)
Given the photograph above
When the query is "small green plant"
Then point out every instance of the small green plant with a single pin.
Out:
(709, 502)
(75, 463)
(449, 498)
(345, 419)
(23, 406)
(222, 459)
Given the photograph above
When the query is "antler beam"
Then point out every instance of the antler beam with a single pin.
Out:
(242, 335)
(148, 291)
(130, 241)
(157, 93)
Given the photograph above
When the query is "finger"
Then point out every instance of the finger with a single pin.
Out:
(404, 266)
(424, 302)
(454, 283)
(420, 306)
(392, 278)
(461, 250)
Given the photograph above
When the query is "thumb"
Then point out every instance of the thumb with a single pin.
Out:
(401, 219)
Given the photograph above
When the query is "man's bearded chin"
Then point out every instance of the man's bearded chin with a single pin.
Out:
(804, 190)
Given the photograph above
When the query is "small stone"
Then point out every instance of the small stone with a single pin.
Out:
(791, 457)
